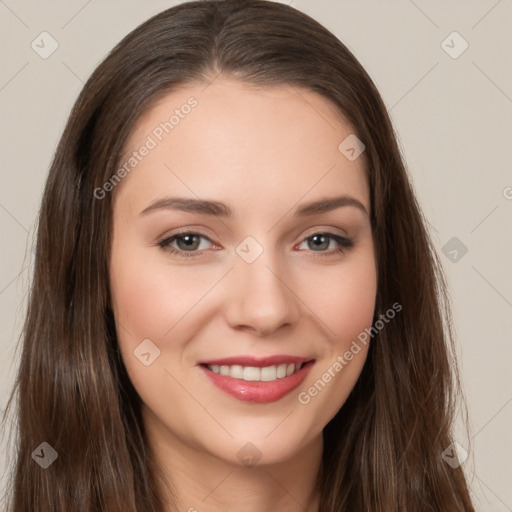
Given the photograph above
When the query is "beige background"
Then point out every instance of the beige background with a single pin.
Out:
(454, 120)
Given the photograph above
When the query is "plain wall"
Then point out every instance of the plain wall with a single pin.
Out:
(453, 117)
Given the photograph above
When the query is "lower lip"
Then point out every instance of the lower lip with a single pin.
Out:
(258, 391)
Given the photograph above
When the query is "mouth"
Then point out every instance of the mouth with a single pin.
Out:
(258, 380)
(255, 373)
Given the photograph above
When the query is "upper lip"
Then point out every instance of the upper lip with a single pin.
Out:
(255, 361)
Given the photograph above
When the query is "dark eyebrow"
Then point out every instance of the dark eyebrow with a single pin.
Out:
(189, 205)
(326, 205)
(222, 210)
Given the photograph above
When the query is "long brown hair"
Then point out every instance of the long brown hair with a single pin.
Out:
(382, 451)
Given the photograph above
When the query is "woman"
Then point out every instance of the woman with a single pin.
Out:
(236, 303)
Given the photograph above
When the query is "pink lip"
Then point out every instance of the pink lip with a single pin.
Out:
(258, 391)
(257, 362)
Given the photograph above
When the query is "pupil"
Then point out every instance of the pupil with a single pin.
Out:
(322, 243)
(188, 241)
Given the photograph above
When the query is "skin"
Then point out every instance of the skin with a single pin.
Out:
(264, 152)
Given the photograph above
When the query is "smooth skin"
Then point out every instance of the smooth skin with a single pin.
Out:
(264, 152)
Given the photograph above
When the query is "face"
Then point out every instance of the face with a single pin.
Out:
(237, 300)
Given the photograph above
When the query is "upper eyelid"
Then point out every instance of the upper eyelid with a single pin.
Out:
(312, 231)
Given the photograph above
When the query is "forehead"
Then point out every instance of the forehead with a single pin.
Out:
(240, 143)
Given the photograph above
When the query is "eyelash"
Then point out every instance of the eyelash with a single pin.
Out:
(343, 242)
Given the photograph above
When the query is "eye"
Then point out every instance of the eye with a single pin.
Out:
(188, 244)
(318, 242)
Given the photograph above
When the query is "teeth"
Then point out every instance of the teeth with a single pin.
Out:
(236, 371)
(281, 371)
(252, 373)
(268, 373)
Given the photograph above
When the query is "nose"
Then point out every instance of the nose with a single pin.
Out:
(261, 297)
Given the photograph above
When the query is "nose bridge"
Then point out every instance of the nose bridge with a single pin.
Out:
(261, 295)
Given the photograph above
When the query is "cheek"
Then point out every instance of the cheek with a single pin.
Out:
(139, 298)
(138, 303)
(345, 305)
(149, 299)
(155, 301)
(344, 300)
(144, 306)
(149, 303)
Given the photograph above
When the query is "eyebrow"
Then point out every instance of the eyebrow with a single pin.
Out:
(220, 209)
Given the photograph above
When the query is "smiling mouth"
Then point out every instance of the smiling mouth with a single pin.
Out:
(257, 380)
(253, 373)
